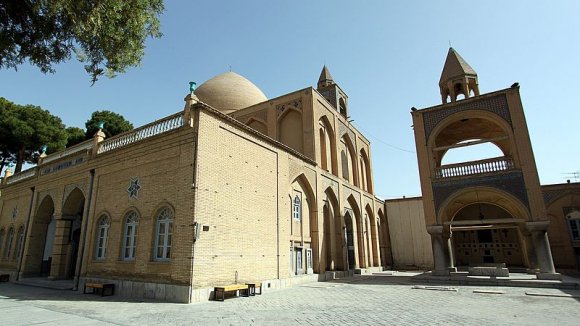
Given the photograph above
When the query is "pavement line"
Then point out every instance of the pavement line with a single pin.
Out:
(435, 288)
(489, 291)
(556, 295)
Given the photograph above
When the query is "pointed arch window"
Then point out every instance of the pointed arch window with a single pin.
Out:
(19, 243)
(574, 224)
(163, 234)
(297, 208)
(1, 240)
(130, 235)
(323, 146)
(102, 235)
(9, 239)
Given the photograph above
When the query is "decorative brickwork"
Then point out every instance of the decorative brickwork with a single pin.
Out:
(328, 182)
(294, 104)
(569, 209)
(344, 129)
(497, 104)
(551, 195)
(512, 182)
(261, 115)
(70, 187)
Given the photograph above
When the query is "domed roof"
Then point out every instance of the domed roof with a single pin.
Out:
(229, 92)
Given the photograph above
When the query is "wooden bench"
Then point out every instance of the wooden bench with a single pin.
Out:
(219, 291)
(103, 287)
(252, 286)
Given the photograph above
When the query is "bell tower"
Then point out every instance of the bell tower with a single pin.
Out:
(332, 92)
(457, 78)
(483, 210)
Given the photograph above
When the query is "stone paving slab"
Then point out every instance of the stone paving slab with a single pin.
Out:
(361, 301)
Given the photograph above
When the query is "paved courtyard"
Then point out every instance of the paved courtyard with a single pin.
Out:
(370, 300)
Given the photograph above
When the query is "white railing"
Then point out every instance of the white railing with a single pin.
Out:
(86, 145)
(496, 164)
(155, 128)
(21, 175)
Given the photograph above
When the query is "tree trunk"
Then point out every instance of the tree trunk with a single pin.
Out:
(19, 160)
(2, 164)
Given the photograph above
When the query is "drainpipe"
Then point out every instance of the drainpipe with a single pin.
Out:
(277, 218)
(84, 227)
(25, 233)
(195, 117)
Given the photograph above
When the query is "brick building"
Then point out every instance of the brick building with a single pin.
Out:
(236, 187)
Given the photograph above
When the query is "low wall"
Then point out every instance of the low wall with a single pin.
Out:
(155, 291)
(181, 293)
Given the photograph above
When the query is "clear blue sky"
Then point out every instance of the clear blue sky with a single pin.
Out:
(387, 56)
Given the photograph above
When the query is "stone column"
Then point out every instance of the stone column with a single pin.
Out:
(60, 248)
(539, 237)
(451, 256)
(528, 251)
(441, 254)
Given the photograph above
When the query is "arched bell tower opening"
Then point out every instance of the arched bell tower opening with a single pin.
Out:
(458, 80)
(475, 205)
(332, 92)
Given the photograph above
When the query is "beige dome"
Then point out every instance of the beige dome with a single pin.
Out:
(229, 92)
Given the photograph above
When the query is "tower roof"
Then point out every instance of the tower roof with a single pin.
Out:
(325, 78)
(455, 66)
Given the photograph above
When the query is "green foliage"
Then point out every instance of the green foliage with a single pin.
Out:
(75, 135)
(114, 123)
(108, 36)
(25, 128)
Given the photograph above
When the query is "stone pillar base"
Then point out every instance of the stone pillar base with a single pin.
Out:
(532, 271)
(549, 276)
(440, 273)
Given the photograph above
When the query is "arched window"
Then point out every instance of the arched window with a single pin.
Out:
(344, 161)
(163, 234)
(1, 240)
(342, 107)
(574, 224)
(9, 239)
(323, 145)
(130, 235)
(102, 234)
(19, 243)
(296, 208)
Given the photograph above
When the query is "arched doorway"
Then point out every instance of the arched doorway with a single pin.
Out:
(72, 216)
(333, 239)
(38, 257)
(374, 238)
(327, 237)
(304, 233)
(349, 237)
(485, 242)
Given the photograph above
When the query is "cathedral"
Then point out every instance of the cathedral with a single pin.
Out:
(236, 187)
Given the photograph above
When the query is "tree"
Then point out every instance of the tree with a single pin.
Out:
(108, 36)
(24, 129)
(74, 135)
(6, 157)
(114, 123)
